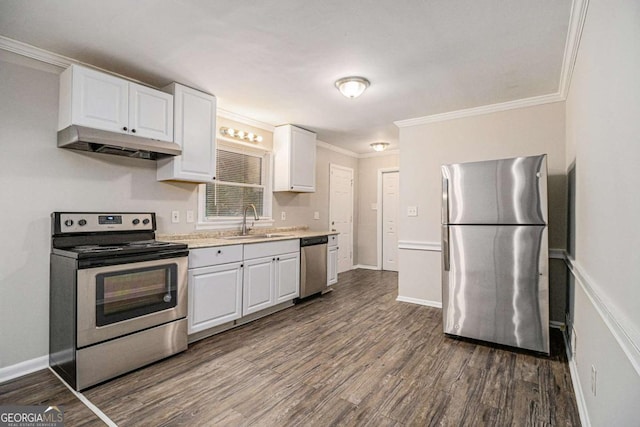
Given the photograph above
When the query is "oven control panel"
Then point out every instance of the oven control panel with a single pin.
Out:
(91, 222)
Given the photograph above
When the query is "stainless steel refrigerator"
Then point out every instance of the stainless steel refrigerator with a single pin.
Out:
(495, 263)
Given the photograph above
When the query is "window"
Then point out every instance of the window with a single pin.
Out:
(241, 179)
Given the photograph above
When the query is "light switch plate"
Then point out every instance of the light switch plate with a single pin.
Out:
(190, 216)
(175, 217)
(316, 215)
(283, 216)
(412, 211)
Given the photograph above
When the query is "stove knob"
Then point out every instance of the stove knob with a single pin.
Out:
(136, 221)
(145, 221)
(68, 222)
(82, 222)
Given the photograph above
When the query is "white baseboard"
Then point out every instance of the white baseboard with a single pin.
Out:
(577, 387)
(23, 368)
(436, 304)
(366, 267)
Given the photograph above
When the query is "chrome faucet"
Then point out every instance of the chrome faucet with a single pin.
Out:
(246, 230)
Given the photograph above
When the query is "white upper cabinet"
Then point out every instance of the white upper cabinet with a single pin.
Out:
(294, 159)
(195, 132)
(102, 101)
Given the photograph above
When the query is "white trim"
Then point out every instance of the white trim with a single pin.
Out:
(577, 387)
(419, 246)
(353, 208)
(379, 225)
(574, 34)
(436, 304)
(366, 267)
(244, 120)
(23, 368)
(379, 154)
(337, 149)
(82, 398)
(621, 329)
(481, 110)
(36, 53)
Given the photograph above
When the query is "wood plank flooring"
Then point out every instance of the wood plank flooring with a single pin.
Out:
(351, 357)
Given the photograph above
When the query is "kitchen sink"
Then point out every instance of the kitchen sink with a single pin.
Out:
(255, 236)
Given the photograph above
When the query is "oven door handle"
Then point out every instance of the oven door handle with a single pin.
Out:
(128, 259)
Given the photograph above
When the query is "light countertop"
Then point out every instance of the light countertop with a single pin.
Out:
(204, 239)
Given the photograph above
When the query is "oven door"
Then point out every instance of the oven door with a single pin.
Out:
(121, 299)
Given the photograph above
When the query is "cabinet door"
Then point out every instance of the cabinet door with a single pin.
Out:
(332, 266)
(215, 296)
(99, 100)
(303, 160)
(258, 285)
(287, 277)
(195, 132)
(150, 113)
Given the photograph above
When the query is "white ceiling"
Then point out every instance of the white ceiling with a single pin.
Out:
(275, 61)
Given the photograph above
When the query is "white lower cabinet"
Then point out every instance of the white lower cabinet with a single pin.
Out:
(258, 284)
(228, 282)
(332, 260)
(287, 277)
(215, 296)
(271, 274)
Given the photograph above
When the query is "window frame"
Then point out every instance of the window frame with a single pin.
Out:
(227, 222)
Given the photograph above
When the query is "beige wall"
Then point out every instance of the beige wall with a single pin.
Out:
(603, 139)
(368, 197)
(424, 148)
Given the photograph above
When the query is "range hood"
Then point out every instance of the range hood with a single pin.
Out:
(102, 141)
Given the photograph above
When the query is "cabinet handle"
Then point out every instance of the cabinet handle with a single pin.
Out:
(273, 259)
(241, 265)
(124, 128)
(219, 251)
(278, 259)
(133, 131)
(213, 178)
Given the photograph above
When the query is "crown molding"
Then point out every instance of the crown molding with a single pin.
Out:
(574, 34)
(379, 154)
(33, 52)
(484, 109)
(244, 120)
(335, 148)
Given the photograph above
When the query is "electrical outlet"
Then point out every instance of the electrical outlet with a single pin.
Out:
(190, 217)
(412, 211)
(316, 215)
(594, 374)
(175, 217)
(283, 216)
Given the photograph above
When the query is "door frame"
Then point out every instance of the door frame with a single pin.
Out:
(379, 227)
(333, 166)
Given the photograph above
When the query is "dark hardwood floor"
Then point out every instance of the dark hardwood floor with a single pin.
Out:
(352, 357)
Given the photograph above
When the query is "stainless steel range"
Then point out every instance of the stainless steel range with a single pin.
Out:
(118, 297)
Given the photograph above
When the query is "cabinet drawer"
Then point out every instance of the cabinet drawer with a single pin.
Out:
(333, 241)
(258, 250)
(202, 257)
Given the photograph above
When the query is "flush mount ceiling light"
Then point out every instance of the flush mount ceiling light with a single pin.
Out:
(379, 146)
(352, 87)
(240, 134)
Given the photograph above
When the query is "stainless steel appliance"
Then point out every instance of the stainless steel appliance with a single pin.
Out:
(313, 265)
(118, 297)
(495, 278)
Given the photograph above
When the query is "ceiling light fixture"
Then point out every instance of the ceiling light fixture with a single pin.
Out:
(240, 134)
(352, 87)
(380, 146)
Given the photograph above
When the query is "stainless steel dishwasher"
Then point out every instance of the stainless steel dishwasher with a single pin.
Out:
(313, 265)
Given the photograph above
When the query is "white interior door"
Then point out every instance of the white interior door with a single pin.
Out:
(341, 213)
(390, 200)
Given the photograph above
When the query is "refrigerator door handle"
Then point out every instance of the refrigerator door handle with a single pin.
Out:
(445, 247)
(445, 200)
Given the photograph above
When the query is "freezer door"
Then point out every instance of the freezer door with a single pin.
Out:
(507, 191)
(496, 285)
